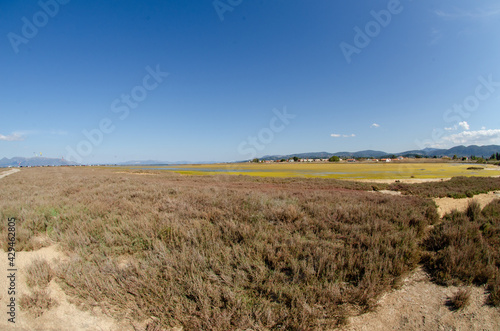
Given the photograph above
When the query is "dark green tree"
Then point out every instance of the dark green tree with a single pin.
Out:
(334, 159)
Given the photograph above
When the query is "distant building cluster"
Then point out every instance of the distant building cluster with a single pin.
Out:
(350, 160)
(392, 158)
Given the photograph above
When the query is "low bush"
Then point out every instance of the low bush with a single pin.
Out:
(465, 248)
(475, 168)
(456, 187)
(460, 299)
(39, 273)
(36, 303)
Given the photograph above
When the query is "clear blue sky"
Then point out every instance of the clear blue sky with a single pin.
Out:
(245, 78)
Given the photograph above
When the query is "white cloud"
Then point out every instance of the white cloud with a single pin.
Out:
(22, 134)
(375, 125)
(12, 137)
(464, 125)
(483, 128)
(337, 135)
(480, 137)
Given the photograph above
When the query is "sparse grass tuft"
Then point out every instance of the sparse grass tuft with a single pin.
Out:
(460, 300)
(39, 273)
(494, 291)
(36, 303)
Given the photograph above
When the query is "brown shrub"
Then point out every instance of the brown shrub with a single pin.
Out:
(465, 248)
(460, 299)
(36, 303)
(473, 211)
(456, 187)
(39, 273)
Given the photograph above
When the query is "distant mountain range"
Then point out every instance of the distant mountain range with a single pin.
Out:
(459, 151)
(155, 162)
(33, 162)
(45, 161)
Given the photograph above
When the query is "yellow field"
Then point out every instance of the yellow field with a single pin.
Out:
(336, 170)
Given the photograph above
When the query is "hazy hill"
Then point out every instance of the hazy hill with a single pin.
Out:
(155, 162)
(459, 151)
(33, 162)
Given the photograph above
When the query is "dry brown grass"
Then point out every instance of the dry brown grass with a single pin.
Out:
(460, 299)
(39, 273)
(221, 252)
(36, 303)
(457, 187)
(464, 248)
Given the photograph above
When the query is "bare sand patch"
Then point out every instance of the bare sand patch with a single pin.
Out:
(135, 173)
(402, 180)
(64, 315)
(8, 172)
(387, 192)
(420, 304)
(446, 205)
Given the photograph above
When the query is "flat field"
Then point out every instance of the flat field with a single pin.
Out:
(158, 250)
(394, 170)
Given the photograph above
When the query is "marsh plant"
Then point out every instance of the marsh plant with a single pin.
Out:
(218, 252)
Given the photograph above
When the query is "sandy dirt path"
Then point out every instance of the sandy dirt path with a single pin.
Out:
(8, 172)
(420, 304)
(401, 180)
(64, 315)
(446, 205)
